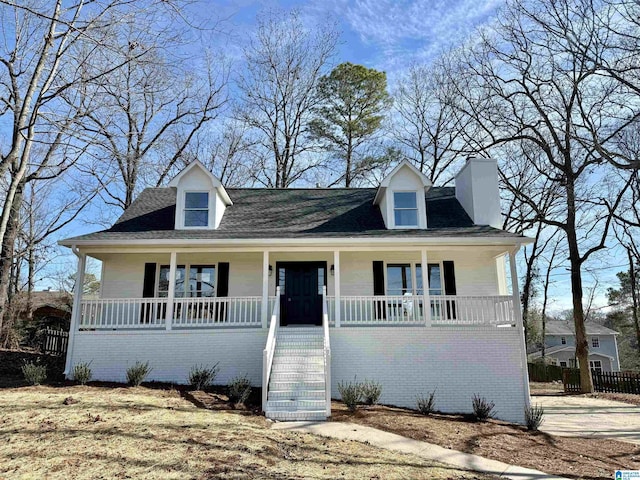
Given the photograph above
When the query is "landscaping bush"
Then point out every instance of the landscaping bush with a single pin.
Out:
(137, 373)
(427, 404)
(533, 416)
(201, 377)
(82, 373)
(371, 391)
(482, 408)
(239, 389)
(351, 394)
(34, 373)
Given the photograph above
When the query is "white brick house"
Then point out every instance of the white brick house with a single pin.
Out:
(303, 288)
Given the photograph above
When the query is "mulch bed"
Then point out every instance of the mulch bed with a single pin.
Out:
(580, 458)
(618, 397)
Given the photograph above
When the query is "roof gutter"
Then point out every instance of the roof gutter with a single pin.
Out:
(351, 241)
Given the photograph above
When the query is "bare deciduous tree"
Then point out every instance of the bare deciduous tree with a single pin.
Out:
(526, 82)
(426, 124)
(284, 61)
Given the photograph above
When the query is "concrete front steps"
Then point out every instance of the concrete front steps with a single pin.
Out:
(296, 384)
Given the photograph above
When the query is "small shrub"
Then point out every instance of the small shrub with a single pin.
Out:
(427, 404)
(482, 408)
(533, 416)
(82, 373)
(137, 373)
(34, 373)
(239, 389)
(201, 377)
(371, 391)
(351, 394)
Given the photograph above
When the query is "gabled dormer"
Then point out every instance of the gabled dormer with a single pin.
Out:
(200, 198)
(401, 197)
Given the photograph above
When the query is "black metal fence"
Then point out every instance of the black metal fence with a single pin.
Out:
(55, 342)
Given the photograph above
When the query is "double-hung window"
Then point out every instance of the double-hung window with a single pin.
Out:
(202, 281)
(399, 280)
(595, 342)
(196, 209)
(434, 279)
(405, 209)
(163, 281)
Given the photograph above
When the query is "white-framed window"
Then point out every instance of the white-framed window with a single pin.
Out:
(405, 209)
(563, 340)
(595, 342)
(196, 209)
(434, 278)
(191, 281)
(163, 281)
(399, 279)
(563, 364)
(596, 365)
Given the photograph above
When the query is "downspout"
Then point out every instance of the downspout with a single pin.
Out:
(75, 309)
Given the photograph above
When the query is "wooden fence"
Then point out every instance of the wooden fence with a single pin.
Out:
(612, 382)
(571, 380)
(616, 382)
(55, 342)
(539, 372)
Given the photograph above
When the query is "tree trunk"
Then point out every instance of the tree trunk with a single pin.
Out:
(6, 262)
(634, 296)
(582, 347)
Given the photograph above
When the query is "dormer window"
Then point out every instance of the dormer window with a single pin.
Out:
(405, 209)
(196, 209)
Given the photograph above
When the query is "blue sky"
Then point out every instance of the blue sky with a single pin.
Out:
(390, 36)
(384, 34)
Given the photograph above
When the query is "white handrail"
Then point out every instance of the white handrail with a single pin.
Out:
(270, 348)
(326, 351)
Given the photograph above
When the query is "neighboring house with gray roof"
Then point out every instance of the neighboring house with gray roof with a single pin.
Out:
(560, 346)
(303, 288)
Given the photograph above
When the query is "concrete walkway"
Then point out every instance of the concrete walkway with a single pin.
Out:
(578, 416)
(391, 441)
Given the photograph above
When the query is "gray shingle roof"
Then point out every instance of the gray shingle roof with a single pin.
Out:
(567, 328)
(292, 213)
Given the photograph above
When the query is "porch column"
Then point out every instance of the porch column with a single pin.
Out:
(171, 293)
(77, 307)
(336, 286)
(426, 298)
(517, 313)
(265, 289)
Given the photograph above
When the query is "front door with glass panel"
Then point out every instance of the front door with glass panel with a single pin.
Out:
(301, 292)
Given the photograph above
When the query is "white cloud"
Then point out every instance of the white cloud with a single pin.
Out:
(406, 31)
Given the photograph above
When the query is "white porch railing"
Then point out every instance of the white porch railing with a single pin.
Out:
(189, 312)
(472, 310)
(446, 310)
(269, 349)
(217, 311)
(326, 351)
(110, 313)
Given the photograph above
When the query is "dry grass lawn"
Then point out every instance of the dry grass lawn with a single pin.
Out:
(141, 433)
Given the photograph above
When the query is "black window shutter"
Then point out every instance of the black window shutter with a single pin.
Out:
(449, 286)
(223, 279)
(378, 278)
(378, 288)
(149, 291)
(149, 285)
(449, 278)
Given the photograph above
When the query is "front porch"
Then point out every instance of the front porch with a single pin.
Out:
(364, 313)
(218, 289)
